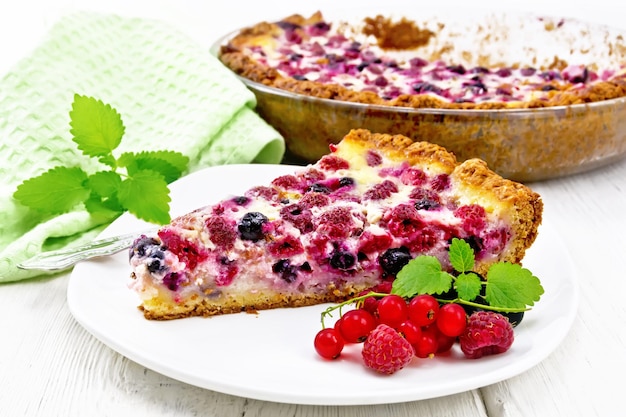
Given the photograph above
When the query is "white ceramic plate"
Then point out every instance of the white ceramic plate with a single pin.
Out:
(270, 356)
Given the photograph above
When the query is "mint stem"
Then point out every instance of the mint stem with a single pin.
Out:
(483, 306)
(357, 300)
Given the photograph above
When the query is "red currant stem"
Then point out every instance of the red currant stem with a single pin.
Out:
(483, 306)
(358, 300)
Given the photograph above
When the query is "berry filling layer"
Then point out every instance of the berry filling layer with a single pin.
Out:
(340, 222)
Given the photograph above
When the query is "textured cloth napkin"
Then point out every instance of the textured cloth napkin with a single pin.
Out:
(171, 93)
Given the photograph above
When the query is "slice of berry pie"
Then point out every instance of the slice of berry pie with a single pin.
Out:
(332, 229)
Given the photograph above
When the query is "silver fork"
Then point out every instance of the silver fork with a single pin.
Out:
(64, 258)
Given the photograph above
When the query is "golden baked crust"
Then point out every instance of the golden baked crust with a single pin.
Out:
(393, 36)
(160, 308)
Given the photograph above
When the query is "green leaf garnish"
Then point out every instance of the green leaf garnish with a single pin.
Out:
(154, 209)
(104, 183)
(162, 162)
(468, 286)
(423, 275)
(97, 127)
(55, 191)
(461, 255)
(134, 182)
(510, 285)
(507, 287)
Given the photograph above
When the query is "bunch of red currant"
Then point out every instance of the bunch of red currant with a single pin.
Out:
(429, 327)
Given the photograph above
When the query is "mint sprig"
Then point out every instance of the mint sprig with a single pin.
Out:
(133, 182)
(507, 287)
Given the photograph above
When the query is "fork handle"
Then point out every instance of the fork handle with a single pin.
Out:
(64, 258)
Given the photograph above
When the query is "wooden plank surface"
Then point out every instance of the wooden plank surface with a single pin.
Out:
(51, 366)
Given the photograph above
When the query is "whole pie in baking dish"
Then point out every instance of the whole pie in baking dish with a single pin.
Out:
(332, 229)
(380, 62)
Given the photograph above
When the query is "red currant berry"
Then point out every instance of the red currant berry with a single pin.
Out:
(411, 331)
(451, 319)
(370, 304)
(328, 343)
(423, 309)
(356, 325)
(392, 310)
(426, 346)
(444, 343)
(337, 325)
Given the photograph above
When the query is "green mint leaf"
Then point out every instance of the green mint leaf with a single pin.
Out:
(145, 194)
(468, 286)
(461, 255)
(169, 164)
(108, 160)
(104, 183)
(422, 275)
(97, 127)
(103, 201)
(55, 191)
(107, 209)
(511, 286)
(176, 159)
(97, 130)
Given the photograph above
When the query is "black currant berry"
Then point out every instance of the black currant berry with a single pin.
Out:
(346, 182)
(156, 264)
(141, 246)
(319, 188)
(251, 226)
(394, 259)
(342, 260)
(286, 270)
(241, 200)
(426, 204)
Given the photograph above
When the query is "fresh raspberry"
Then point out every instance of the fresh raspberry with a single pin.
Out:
(426, 238)
(487, 333)
(288, 182)
(186, 251)
(222, 231)
(218, 209)
(311, 175)
(496, 240)
(336, 223)
(391, 172)
(413, 176)
(373, 158)
(403, 220)
(381, 190)
(299, 217)
(369, 242)
(333, 163)
(285, 247)
(473, 217)
(310, 200)
(440, 182)
(268, 193)
(386, 351)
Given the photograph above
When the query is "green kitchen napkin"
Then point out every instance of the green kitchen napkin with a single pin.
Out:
(170, 92)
